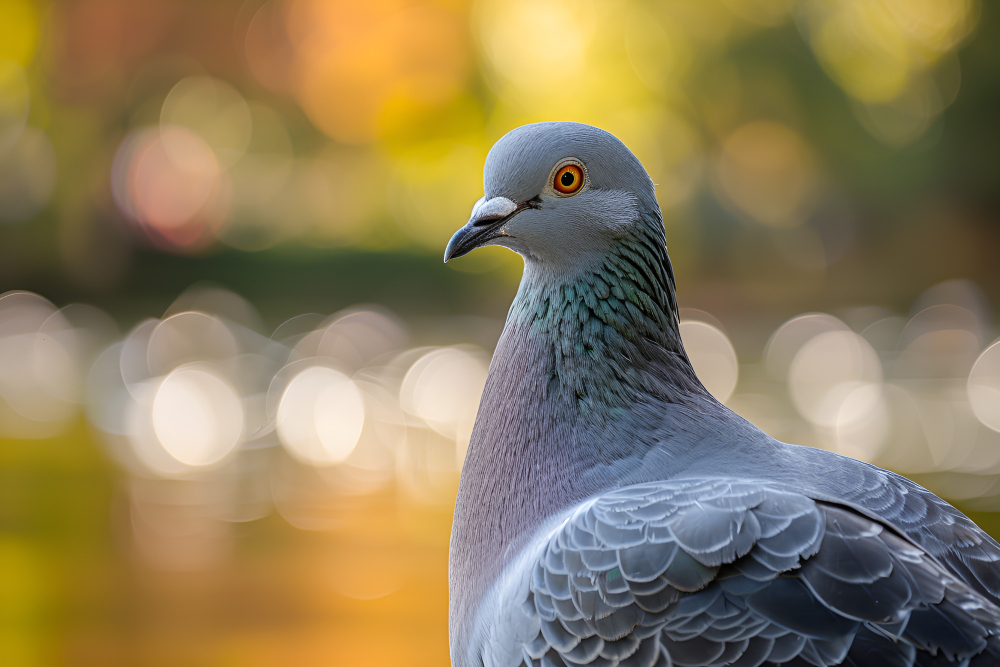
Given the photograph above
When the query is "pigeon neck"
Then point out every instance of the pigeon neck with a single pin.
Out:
(603, 322)
(586, 368)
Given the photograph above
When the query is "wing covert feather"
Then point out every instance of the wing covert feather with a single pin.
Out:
(937, 527)
(713, 572)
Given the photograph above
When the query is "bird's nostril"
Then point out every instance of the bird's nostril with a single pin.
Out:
(534, 202)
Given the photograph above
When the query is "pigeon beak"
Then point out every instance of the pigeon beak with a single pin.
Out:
(486, 223)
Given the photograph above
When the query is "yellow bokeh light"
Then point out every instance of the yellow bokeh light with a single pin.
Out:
(18, 31)
(873, 48)
(936, 25)
(352, 58)
(536, 45)
(572, 61)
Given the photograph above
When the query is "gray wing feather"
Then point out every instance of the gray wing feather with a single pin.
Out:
(937, 527)
(727, 572)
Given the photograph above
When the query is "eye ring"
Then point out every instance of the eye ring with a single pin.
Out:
(568, 179)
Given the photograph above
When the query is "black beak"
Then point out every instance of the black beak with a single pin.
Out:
(487, 223)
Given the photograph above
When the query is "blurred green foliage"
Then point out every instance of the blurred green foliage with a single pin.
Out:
(390, 149)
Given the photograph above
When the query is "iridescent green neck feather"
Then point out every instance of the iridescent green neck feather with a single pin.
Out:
(606, 323)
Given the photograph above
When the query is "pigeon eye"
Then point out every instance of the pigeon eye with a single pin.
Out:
(568, 180)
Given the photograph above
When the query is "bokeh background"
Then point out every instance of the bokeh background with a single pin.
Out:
(237, 382)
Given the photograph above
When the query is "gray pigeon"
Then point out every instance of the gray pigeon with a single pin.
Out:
(612, 512)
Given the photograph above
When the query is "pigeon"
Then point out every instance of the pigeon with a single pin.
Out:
(612, 512)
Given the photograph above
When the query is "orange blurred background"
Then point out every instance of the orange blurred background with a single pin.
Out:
(237, 383)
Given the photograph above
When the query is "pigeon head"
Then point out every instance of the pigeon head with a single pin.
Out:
(561, 195)
(578, 206)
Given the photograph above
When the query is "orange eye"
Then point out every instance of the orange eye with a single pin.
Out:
(568, 180)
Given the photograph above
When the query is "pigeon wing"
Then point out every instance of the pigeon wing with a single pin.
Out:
(934, 525)
(728, 572)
